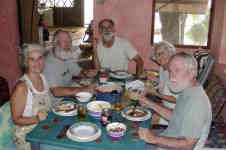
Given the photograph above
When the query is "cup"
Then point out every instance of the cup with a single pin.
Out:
(81, 112)
(118, 106)
(103, 78)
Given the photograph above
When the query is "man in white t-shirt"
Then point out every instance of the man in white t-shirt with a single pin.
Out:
(113, 52)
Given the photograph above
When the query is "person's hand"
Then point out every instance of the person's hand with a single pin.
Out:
(151, 90)
(91, 88)
(91, 73)
(42, 114)
(144, 101)
(146, 135)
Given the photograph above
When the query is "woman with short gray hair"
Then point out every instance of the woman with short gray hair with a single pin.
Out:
(169, 49)
(30, 101)
(161, 54)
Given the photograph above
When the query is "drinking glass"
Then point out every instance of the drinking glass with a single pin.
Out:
(118, 106)
(81, 112)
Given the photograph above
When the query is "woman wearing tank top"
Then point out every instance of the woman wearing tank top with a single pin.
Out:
(30, 101)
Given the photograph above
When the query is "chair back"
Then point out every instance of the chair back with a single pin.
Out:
(205, 65)
(4, 91)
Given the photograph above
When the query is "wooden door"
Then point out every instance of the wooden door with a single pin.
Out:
(69, 16)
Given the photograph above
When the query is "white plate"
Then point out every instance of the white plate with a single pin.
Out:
(125, 112)
(120, 75)
(83, 132)
(67, 105)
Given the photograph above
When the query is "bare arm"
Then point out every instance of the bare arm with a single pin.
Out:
(152, 90)
(165, 112)
(168, 98)
(96, 61)
(139, 64)
(186, 143)
(70, 91)
(18, 100)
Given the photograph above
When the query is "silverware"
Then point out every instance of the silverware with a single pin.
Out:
(134, 108)
(63, 132)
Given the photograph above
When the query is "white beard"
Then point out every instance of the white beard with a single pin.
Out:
(73, 53)
(63, 54)
(177, 87)
(108, 35)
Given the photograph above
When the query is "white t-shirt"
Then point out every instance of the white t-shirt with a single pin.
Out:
(118, 56)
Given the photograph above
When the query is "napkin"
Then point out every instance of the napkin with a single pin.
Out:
(135, 85)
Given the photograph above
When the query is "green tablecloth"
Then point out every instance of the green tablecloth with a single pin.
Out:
(46, 132)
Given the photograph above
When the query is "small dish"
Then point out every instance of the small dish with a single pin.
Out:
(83, 96)
(95, 108)
(116, 129)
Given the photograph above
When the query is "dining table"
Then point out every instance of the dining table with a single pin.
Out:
(48, 131)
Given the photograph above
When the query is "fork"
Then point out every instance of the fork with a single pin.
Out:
(134, 108)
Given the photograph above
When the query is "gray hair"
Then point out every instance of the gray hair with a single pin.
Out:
(27, 48)
(168, 47)
(55, 36)
(190, 62)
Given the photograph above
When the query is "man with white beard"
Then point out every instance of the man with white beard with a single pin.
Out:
(191, 118)
(61, 65)
(113, 52)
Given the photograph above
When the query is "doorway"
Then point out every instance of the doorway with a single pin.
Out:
(88, 12)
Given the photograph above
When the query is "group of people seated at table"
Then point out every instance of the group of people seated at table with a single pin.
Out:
(186, 108)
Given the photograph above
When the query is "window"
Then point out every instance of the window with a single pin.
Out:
(182, 22)
(58, 3)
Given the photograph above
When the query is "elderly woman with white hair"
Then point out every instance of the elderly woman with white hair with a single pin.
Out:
(161, 54)
(30, 101)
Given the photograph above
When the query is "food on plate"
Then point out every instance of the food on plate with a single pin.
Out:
(65, 107)
(135, 94)
(110, 87)
(86, 82)
(136, 113)
(99, 106)
(116, 129)
(152, 73)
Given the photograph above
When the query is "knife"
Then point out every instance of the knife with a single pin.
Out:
(62, 133)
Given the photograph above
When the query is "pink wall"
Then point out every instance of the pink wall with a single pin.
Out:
(134, 22)
(9, 41)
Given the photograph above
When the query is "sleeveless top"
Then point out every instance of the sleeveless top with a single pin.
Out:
(36, 101)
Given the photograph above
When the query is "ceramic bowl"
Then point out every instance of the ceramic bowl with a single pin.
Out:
(116, 129)
(83, 96)
(94, 108)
